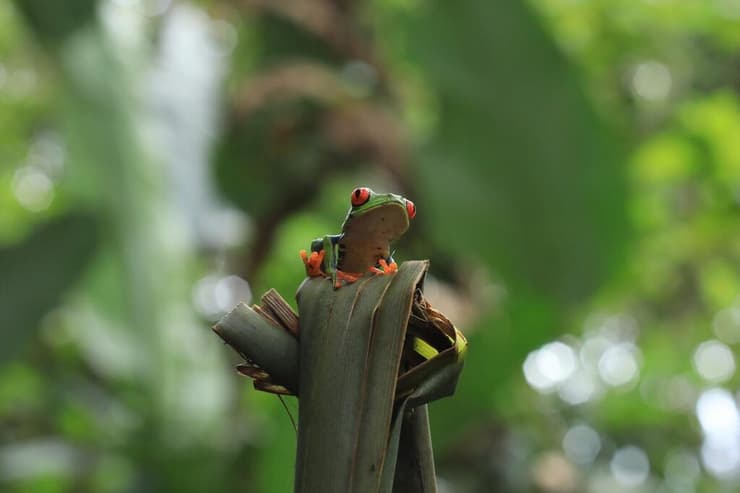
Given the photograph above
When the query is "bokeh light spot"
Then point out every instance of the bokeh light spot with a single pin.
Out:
(534, 376)
(47, 154)
(630, 466)
(581, 444)
(618, 365)
(33, 188)
(652, 81)
(721, 459)
(557, 361)
(231, 290)
(726, 325)
(714, 361)
(717, 413)
(580, 388)
(549, 366)
(214, 296)
(592, 349)
(553, 473)
(682, 470)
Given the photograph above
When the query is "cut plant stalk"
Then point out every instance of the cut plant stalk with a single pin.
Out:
(364, 360)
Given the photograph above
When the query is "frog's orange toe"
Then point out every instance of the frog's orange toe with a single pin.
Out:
(388, 268)
(312, 262)
(385, 267)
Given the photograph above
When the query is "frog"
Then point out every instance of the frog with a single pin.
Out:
(373, 222)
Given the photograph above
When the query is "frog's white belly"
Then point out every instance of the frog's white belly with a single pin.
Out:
(360, 257)
(367, 237)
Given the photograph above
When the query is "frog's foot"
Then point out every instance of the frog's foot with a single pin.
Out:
(313, 262)
(348, 277)
(344, 278)
(385, 267)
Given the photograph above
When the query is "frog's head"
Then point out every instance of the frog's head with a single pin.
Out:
(383, 214)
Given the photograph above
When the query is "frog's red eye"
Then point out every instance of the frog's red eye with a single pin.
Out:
(410, 208)
(360, 196)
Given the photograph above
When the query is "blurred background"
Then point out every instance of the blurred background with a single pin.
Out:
(576, 169)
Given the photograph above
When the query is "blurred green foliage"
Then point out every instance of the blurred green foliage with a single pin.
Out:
(38, 271)
(576, 167)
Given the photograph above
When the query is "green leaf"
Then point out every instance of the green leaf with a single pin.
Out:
(36, 272)
(520, 167)
(54, 21)
(519, 174)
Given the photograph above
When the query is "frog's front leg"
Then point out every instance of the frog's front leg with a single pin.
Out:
(330, 244)
(314, 262)
(323, 258)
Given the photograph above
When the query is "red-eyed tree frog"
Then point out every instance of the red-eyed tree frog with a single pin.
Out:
(374, 220)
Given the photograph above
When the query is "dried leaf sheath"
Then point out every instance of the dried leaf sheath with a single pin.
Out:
(266, 343)
(384, 355)
(335, 335)
(352, 348)
(368, 357)
(414, 469)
